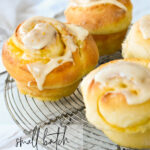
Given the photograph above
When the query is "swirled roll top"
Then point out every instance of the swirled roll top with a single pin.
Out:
(117, 96)
(48, 43)
(137, 43)
(39, 36)
(128, 78)
(42, 35)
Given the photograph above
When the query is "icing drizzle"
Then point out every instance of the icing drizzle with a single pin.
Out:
(128, 78)
(42, 34)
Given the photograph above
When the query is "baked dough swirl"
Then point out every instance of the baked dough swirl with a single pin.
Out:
(48, 58)
(117, 100)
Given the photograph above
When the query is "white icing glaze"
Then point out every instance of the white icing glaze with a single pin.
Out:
(89, 3)
(134, 77)
(41, 35)
(145, 26)
(40, 71)
(78, 31)
(31, 33)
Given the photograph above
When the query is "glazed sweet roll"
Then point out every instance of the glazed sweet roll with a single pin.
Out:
(117, 100)
(48, 58)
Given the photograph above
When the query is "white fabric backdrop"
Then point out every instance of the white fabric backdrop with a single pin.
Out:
(13, 12)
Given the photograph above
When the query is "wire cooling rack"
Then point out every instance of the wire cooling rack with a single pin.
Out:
(69, 111)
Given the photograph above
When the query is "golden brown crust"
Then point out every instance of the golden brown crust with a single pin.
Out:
(113, 115)
(101, 19)
(110, 43)
(62, 76)
(65, 77)
(47, 94)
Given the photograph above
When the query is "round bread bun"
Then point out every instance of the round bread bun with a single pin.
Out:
(107, 23)
(63, 79)
(135, 44)
(115, 106)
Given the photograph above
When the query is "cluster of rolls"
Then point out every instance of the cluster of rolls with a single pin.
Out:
(51, 57)
(48, 59)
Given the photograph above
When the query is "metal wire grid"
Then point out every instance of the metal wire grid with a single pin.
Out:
(28, 112)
